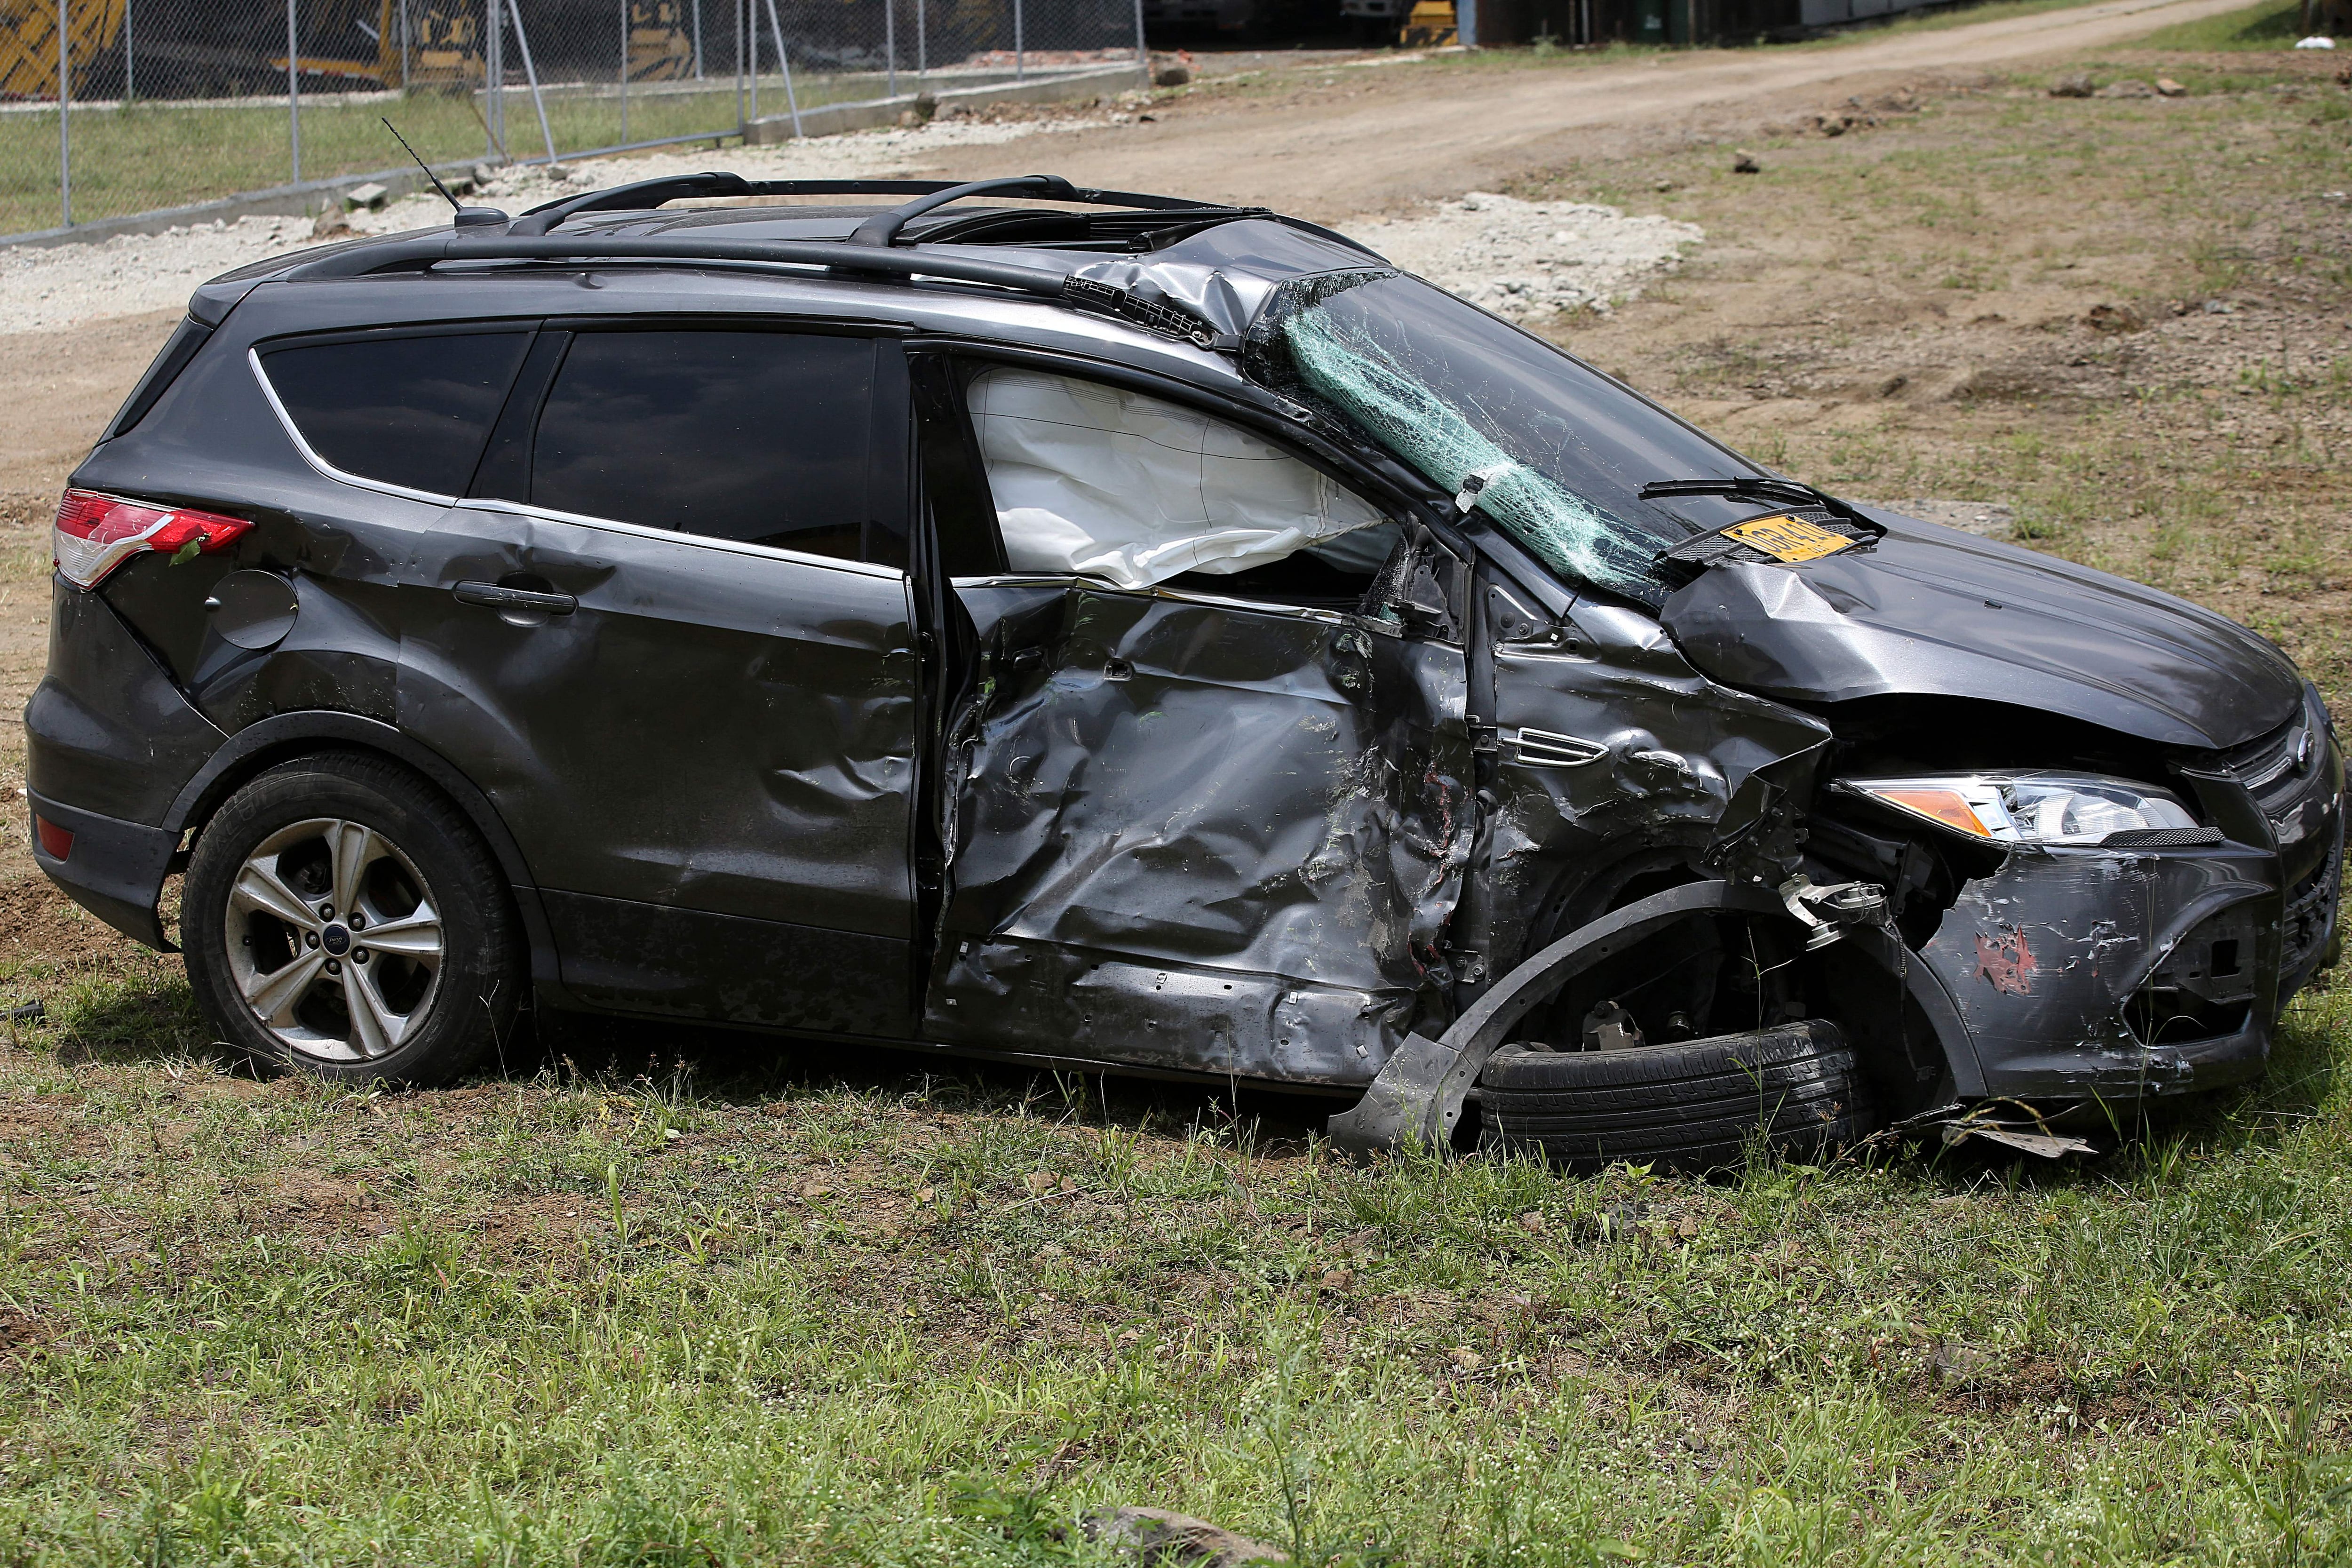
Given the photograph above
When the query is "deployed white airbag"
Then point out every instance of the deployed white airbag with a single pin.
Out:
(1113, 485)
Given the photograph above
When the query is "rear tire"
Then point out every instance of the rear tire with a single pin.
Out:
(1691, 1107)
(342, 918)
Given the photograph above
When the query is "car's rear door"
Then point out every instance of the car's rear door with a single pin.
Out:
(674, 646)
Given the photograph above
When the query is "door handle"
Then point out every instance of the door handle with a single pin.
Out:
(497, 596)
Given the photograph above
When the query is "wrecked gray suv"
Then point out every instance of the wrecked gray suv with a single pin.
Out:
(1139, 634)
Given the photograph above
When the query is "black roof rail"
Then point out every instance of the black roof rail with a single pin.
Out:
(420, 252)
(641, 196)
(635, 197)
(883, 228)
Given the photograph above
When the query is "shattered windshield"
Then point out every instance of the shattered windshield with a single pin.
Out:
(1562, 451)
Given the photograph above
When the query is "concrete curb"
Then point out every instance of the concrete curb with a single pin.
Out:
(828, 119)
(278, 200)
(875, 114)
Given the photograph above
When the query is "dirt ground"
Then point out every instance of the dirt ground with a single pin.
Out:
(1332, 144)
(1900, 303)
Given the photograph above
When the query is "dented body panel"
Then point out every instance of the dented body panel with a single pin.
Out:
(1296, 830)
(1612, 753)
(1932, 611)
(1204, 834)
(2044, 958)
(739, 732)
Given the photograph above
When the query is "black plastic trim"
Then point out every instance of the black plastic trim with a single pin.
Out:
(115, 869)
(644, 195)
(186, 337)
(2162, 839)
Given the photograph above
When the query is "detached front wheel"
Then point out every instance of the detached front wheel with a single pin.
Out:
(1693, 1107)
(342, 917)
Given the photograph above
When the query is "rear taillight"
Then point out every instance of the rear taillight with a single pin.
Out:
(96, 534)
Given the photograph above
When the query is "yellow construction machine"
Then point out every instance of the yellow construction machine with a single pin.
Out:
(29, 43)
(445, 47)
(391, 43)
(443, 43)
(659, 46)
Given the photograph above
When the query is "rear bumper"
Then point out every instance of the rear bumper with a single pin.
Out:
(114, 869)
(110, 741)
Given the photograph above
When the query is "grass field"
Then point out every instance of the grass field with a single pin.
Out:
(2274, 26)
(680, 1301)
(143, 156)
(880, 1318)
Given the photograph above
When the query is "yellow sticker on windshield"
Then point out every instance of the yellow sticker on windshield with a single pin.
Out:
(1787, 538)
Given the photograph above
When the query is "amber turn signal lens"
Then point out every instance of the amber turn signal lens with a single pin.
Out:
(1944, 805)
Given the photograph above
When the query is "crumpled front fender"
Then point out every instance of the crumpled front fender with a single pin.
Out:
(2043, 958)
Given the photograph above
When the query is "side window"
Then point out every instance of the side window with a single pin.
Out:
(764, 437)
(413, 410)
(1115, 485)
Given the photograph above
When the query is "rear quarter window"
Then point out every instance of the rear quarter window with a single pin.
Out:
(414, 410)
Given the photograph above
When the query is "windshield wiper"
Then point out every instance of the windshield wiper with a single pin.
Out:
(1756, 485)
(1772, 491)
(1710, 545)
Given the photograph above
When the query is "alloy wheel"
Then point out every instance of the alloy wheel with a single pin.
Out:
(334, 941)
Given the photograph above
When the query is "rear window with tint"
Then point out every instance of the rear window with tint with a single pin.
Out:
(758, 436)
(412, 411)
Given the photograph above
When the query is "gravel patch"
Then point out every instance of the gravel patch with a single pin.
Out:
(1529, 259)
(132, 274)
(1521, 260)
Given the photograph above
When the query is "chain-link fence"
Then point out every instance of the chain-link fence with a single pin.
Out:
(117, 107)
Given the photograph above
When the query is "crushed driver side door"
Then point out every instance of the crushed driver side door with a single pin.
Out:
(1206, 833)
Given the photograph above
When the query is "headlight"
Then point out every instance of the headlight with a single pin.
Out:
(2030, 807)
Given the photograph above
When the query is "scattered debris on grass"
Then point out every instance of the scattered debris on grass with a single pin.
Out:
(1165, 1540)
(1859, 113)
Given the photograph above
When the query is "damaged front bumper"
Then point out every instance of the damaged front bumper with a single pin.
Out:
(2122, 974)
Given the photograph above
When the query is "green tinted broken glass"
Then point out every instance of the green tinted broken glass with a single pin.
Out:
(1564, 530)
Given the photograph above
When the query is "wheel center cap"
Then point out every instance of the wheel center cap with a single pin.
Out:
(336, 939)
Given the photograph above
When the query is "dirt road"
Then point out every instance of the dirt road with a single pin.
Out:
(1367, 139)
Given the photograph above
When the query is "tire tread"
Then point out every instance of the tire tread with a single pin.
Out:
(1692, 1105)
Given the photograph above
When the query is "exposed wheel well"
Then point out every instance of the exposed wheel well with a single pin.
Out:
(1903, 1051)
(285, 737)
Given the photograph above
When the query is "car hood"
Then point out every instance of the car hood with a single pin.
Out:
(1929, 610)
